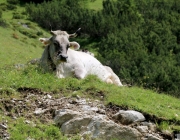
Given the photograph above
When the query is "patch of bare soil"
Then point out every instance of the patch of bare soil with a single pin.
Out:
(34, 104)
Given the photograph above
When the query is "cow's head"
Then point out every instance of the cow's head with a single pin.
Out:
(58, 45)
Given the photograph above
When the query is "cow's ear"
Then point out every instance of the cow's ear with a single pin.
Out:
(74, 45)
(45, 41)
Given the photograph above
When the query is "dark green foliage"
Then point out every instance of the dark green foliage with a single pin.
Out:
(51, 14)
(144, 47)
(35, 1)
(11, 7)
(3, 6)
(0, 13)
(13, 2)
(28, 32)
(139, 40)
(17, 15)
(2, 21)
(39, 33)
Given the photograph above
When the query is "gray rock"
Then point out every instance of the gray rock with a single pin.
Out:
(102, 128)
(89, 120)
(129, 116)
(151, 137)
(75, 125)
(142, 129)
(65, 115)
(97, 126)
(150, 125)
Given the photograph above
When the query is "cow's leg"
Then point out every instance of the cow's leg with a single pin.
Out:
(114, 78)
(59, 75)
(109, 81)
(80, 73)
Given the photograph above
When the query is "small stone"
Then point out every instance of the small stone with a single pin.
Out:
(78, 97)
(27, 122)
(49, 96)
(151, 126)
(152, 137)
(101, 111)
(12, 101)
(39, 111)
(14, 117)
(3, 126)
(142, 129)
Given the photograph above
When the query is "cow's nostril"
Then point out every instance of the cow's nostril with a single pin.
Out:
(64, 56)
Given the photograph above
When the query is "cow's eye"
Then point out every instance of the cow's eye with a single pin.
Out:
(55, 43)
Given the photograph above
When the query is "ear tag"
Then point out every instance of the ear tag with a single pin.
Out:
(71, 47)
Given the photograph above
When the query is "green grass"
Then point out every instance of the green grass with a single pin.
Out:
(160, 105)
(20, 130)
(16, 47)
(17, 50)
(95, 4)
(147, 101)
(18, 44)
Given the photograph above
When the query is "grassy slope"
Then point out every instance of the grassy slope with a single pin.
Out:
(16, 47)
(23, 49)
(14, 51)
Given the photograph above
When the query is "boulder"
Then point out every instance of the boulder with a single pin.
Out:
(65, 115)
(95, 125)
(90, 120)
(128, 117)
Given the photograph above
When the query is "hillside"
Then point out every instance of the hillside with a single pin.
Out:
(19, 44)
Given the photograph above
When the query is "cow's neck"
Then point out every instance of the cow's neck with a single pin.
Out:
(52, 65)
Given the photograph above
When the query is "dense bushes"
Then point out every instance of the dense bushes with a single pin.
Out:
(35, 1)
(140, 40)
(13, 1)
(2, 21)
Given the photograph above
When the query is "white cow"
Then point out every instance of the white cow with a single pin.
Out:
(61, 55)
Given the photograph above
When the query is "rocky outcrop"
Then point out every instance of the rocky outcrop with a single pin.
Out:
(94, 125)
(89, 119)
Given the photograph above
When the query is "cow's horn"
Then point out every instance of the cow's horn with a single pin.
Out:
(75, 34)
(53, 32)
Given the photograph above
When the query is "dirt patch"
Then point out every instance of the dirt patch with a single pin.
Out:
(98, 94)
(34, 104)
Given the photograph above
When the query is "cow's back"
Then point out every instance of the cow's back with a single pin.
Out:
(89, 63)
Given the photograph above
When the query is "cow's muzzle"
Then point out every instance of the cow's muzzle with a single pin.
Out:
(62, 57)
